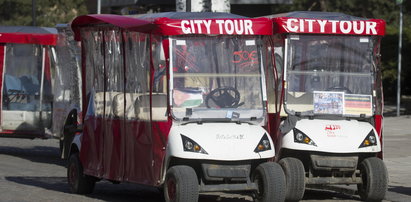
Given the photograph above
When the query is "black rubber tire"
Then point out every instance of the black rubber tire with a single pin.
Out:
(295, 178)
(375, 179)
(78, 181)
(270, 179)
(181, 185)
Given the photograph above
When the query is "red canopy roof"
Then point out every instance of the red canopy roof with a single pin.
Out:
(28, 35)
(124, 22)
(193, 23)
(180, 23)
(307, 22)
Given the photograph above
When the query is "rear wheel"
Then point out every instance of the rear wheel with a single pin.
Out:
(295, 178)
(374, 179)
(79, 182)
(270, 180)
(181, 184)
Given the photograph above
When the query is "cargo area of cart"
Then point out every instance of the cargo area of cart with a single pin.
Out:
(326, 112)
(175, 100)
(26, 81)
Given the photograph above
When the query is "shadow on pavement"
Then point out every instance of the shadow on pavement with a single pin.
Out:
(103, 191)
(50, 183)
(39, 154)
(107, 191)
(318, 194)
(400, 190)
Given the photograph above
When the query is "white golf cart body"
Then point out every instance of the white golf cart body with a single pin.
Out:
(175, 98)
(329, 114)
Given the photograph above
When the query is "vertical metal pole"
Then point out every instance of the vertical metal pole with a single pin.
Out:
(188, 6)
(33, 11)
(98, 6)
(399, 65)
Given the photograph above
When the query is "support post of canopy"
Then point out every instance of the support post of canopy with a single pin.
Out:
(399, 61)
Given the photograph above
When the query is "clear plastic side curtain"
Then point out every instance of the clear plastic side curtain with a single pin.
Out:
(92, 142)
(66, 78)
(159, 117)
(139, 144)
(2, 52)
(114, 140)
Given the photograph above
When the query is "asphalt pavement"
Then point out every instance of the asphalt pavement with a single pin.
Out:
(31, 170)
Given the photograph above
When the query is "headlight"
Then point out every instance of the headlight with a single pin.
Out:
(191, 146)
(263, 145)
(300, 137)
(370, 140)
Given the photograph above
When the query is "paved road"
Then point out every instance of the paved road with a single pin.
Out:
(31, 170)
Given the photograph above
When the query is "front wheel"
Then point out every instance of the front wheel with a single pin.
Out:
(79, 182)
(270, 180)
(374, 179)
(181, 185)
(295, 178)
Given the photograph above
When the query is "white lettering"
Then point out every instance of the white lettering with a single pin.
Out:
(248, 27)
(220, 25)
(229, 27)
(344, 29)
(310, 25)
(185, 29)
(193, 30)
(370, 26)
(333, 25)
(239, 26)
(207, 24)
(301, 25)
(322, 25)
(289, 25)
(356, 29)
(198, 22)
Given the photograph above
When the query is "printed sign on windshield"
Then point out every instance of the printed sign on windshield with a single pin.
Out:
(355, 104)
(326, 102)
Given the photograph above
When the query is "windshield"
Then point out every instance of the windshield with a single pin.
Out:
(216, 78)
(330, 75)
(25, 70)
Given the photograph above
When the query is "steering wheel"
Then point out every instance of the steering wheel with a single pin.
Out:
(340, 88)
(224, 97)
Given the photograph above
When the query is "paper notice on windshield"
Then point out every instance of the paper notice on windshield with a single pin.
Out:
(250, 42)
(326, 102)
(357, 104)
(180, 42)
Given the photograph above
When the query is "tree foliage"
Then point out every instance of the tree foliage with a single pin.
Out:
(48, 12)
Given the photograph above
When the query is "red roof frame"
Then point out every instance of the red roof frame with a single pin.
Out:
(28, 35)
(326, 23)
(123, 22)
(167, 26)
(214, 26)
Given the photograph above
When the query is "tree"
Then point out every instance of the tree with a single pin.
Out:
(48, 12)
